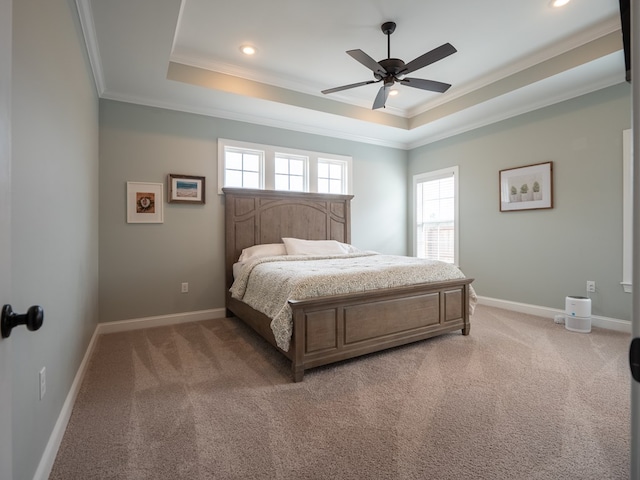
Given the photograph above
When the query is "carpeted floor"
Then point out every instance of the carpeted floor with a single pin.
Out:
(520, 398)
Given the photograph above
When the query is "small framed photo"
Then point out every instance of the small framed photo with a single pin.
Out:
(186, 188)
(526, 188)
(144, 202)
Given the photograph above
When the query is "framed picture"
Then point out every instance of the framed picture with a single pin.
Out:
(526, 188)
(144, 202)
(185, 189)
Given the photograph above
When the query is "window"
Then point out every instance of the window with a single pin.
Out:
(249, 165)
(331, 176)
(436, 215)
(244, 168)
(291, 172)
(627, 211)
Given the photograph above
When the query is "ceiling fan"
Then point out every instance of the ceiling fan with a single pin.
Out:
(392, 70)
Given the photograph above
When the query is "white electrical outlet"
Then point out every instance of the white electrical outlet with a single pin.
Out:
(185, 287)
(591, 286)
(43, 382)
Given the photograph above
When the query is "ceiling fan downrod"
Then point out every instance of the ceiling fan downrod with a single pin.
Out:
(388, 28)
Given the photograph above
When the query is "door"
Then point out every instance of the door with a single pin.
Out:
(5, 233)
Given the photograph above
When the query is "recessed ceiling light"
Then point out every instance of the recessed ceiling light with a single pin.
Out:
(559, 3)
(248, 49)
(394, 92)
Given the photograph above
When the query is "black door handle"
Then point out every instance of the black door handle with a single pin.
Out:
(634, 359)
(32, 319)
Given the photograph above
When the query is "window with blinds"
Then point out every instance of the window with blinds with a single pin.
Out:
(627, 211)
(436, 207)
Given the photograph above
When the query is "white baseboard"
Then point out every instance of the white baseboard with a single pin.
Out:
(51, 450)
(159, 321)
(596, 321)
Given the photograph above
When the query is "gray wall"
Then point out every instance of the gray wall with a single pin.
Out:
(532, 257)
(539, 257)
(54, 215)
(143, 265)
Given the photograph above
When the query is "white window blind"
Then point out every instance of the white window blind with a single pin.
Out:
(436, 215)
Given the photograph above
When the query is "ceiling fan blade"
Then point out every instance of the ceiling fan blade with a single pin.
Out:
(346, 87)
(422, 84)
(428, 58)
(368, 62)
(381, 98)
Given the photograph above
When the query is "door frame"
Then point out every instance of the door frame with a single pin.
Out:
(635, 314)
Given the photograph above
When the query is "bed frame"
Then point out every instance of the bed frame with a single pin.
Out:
(334, 328)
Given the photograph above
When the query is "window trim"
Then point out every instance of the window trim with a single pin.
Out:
(436, 175)
(270, 152)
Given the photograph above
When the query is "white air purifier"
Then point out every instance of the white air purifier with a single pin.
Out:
(577, 314)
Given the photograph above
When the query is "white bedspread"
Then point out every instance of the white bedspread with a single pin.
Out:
(268, 283)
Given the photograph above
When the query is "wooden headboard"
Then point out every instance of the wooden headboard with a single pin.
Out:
(254, 217)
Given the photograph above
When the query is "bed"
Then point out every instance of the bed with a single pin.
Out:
(333, 328)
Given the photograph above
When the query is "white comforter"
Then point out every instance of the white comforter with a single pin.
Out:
(268, 283)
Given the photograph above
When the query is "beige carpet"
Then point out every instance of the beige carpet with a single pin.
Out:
(520, 398)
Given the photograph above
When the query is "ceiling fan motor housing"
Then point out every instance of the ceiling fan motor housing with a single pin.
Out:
(393, 66)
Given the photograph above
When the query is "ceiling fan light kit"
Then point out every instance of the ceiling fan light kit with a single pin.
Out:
(392, 70)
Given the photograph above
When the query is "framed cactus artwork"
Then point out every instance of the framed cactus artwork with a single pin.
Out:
(526, 188)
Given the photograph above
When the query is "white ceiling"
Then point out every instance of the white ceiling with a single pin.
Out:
(513, 57)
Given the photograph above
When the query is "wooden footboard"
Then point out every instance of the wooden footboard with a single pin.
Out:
(331, 329)
(336, 328)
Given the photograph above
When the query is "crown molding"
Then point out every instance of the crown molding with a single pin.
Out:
(287, 83)
(463, 127)
(295, 126)
(555, 50)
(85, 15)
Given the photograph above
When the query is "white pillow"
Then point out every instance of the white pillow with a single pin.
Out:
(264, 250)
(297, 246)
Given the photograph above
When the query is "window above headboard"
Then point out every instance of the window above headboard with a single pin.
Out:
(267, 167)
